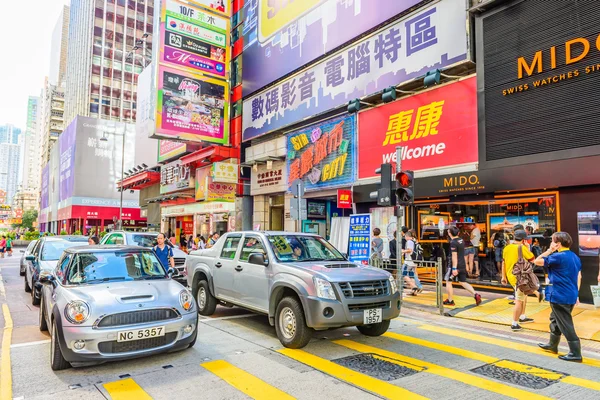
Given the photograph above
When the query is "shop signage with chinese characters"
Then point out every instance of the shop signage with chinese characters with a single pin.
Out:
(209, 190)
(168, 149)
(198, 208)
(437, 129)
(344, 199)
(323, 155)
(174, 177)
(432, 37)
(359, 242)
(224, 172)
(265, 181)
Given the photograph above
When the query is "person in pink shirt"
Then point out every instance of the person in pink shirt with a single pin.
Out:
(2, 245)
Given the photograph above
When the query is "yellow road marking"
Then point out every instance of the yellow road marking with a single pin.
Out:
(366, 382)
(243, 381)
(500, 342)
(5, 366)
(491, 360)
(126, 389)
(471, 380)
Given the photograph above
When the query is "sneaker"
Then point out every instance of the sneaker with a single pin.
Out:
(448, 303)
(525, 320)
(511, 297)
(516, 327)
(477, 299)
(420, 290)
(511, 303)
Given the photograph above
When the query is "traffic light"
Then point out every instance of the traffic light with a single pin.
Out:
(389, 94)
(384, 194)
(405, 192)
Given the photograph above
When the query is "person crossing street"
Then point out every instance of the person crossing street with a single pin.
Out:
(458, 270)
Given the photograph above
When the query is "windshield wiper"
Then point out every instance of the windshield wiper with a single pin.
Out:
(154, 277)
(114, 278)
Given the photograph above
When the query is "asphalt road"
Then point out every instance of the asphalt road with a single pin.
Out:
(238, 356)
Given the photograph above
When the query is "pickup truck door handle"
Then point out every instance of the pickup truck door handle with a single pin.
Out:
(239, 268)
(218, 265)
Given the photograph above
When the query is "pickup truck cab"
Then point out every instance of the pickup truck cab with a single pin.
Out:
(299, 280)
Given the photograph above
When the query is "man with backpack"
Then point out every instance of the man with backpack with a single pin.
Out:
(412, 252)
(512, 254)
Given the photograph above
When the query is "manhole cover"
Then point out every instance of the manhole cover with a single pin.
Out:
(525, 375)
(377, 366)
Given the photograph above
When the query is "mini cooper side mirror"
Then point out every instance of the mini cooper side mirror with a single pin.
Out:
(30, 258)
(172, 272)
(47, 278)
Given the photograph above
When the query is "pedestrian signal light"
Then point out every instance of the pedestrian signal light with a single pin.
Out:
(405, 188)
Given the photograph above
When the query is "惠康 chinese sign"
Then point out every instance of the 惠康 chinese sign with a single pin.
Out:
(437, 128)
(323, 154)
(433, 37)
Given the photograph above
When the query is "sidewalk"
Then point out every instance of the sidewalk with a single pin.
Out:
(495, 309)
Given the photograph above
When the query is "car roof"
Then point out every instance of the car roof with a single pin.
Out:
(68, 238)
(135, 233)
(274, 233)
(104, 249)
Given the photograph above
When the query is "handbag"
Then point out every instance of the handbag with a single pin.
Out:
(596, 295)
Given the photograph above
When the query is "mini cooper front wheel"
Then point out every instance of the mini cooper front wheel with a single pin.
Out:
(57, 361)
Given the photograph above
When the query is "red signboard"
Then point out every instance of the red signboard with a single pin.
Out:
(437, 128)
(344, 199)
(98, 212)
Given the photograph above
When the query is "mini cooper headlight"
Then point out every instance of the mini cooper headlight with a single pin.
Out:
(186, 299)
(77, 312)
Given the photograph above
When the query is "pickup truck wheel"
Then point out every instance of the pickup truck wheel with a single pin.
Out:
(374, 329)
(206, 301)
(290, 324)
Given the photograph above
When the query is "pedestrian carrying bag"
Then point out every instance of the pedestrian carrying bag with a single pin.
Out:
(527, 281)
(596, 295)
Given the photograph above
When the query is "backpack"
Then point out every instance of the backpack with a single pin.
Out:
(527, 281)
(417, 254)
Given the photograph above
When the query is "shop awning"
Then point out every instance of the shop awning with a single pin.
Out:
(171, 197)
(140, 181)
(210, 154)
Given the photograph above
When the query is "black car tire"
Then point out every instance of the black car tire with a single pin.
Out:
(21, 271)
(297, 334)
(27, 287)
(43, 323)
(35, 300)
(209, 304)
(57, 361)
(374, 329)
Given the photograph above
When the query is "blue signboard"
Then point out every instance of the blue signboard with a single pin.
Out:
(323, 155)
(359, 243)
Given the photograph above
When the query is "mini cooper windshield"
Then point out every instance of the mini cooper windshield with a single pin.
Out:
(294, 248)
(99, 267)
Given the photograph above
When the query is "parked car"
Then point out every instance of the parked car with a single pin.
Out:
(106, 303)
(148, 240)
(299, 280)
(27, 252)
(44, 257)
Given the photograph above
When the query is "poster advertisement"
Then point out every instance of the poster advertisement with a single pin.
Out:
(437, 128)
(323, 155)
(507, 223)
(344, 198)
(588, 226)
(168, 149)
(281, 36)
(431, 38)
(191, 107)
(433, 227)
(360, 238)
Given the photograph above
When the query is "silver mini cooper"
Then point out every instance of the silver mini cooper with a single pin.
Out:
(105, 303)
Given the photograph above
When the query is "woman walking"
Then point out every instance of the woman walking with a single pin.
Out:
(564, 273)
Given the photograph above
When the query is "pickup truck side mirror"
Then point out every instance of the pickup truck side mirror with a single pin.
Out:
(345, 255)
(258, 259)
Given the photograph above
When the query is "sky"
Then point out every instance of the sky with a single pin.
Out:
(25, 39)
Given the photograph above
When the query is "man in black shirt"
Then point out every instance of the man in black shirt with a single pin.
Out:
(393, 246)
(458, 270)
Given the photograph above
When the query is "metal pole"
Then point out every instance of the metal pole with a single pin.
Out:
(298, 187)
(399, 257)
(439, 285)
(122, 170)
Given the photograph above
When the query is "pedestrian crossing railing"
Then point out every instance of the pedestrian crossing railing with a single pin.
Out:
(429, 269)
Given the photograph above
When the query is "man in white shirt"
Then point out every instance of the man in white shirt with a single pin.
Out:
(474, 250)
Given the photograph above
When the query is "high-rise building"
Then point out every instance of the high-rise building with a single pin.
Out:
(58, 49)
(51, 122)
(30, 155)
(10, 152)
(102, 64)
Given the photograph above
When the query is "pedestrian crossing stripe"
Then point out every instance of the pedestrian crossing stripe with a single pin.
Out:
(492, 360)
(500, 342)
(244, 382)
(354, 378)
(126, 389)
(468, 379)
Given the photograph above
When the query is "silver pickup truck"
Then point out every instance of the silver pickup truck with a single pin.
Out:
(299, 280)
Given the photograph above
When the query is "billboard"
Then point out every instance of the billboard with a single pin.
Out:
(192, 107)
(168, 149)
(433, 37)
(437, 128)
(66, 145)
(323, 155)
(194, 39)
(44, 198)
(222, 7)
(282, 36)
